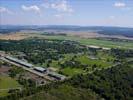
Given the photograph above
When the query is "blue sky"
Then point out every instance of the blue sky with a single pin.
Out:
(67, 12)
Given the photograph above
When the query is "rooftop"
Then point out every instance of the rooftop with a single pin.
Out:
(92, 46)
(57, 75)
(40, 68)
(19, 61)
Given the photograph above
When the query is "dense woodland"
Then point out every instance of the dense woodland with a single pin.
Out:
(121, 54)
(112, 84)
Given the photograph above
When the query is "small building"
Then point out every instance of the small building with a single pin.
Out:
(106, 48)
(94, 47)
(40, 69)
(56, 75)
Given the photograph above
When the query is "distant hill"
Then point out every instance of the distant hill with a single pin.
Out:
(127, 32)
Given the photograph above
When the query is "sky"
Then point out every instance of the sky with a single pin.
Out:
(67, 12)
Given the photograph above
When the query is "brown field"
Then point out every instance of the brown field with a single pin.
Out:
(14, 36)
(20, 36)
(4, 69)
(81, 34)
(96, 35)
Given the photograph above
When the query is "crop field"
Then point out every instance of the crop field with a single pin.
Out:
(84, 41)
(97, 42)
(6, 83)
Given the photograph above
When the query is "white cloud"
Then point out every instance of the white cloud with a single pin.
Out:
(119, 4)
(62, 6)
(122, 6)
(31, 8)
(5, 10)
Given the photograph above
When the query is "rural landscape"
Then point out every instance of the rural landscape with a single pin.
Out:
(64, 61)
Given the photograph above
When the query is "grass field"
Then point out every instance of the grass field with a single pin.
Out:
(85, 41)
(102, 43)
(72, 71)
(84, 59)
(6, 83)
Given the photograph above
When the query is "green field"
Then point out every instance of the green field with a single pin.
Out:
(72, 71)
(97, 42)
(84, 59)
(6, 83)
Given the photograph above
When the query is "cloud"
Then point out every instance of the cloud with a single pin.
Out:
(119, 4)
(5, 10)
(33, 8)
(122, 6)
(62, 6)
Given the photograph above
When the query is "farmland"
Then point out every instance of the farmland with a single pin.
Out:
(94, 41)
(7, 83)
(126, 44)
